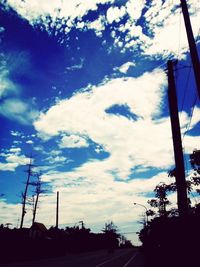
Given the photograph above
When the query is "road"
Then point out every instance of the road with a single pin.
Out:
(120, 258)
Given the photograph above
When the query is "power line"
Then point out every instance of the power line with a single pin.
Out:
(186, 87)
(190, 116)
(179, 35)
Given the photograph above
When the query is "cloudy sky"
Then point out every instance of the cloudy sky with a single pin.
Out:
(83, 88)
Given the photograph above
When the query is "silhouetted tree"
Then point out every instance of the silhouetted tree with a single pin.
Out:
(161, 200)
(195, 163)
(24, 194)
(168, 238)
(111, 236)
(38, 190)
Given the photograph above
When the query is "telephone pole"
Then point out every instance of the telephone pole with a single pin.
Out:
(177, 143)
(192, 45)
(57, 209)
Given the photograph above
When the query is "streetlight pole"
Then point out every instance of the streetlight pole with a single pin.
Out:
(144, 208)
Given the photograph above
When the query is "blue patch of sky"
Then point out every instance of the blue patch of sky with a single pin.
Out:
(7, 140)
(139, 173)
(79, 156)
(149, 195)
(13, 184)
(194, 131)
(75, 157)
(185, 83)
(122, 110)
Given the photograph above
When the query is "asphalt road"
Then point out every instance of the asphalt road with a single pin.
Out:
(120, 258)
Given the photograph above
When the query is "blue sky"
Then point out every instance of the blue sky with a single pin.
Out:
(83, 88)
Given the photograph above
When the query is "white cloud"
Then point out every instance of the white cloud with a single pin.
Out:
(126, 140)
(76, 66)
(190, 143)
(95, 199)
(13, 159)
(15, 149)
(37, 11)
(10, 213)
(125, 67)
(73, 141)
(56, 159)
(6, 85)
(18, 159)
(29, 142)
(8, 166)
(55, 152)
(163, 21)
(97, 25)
(15, 133)
(141, 94)
(115, 14)
(148, 30)
(16, 109)
(134, 8)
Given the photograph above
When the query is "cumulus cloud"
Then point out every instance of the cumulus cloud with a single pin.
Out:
(115, 14)
(12, 159)
(15, 149)
(29, 142)
(8, 166)
(125, 67)
(73, 141)
(97, 25)
(56, 159)
(134, 8)
(126, 140)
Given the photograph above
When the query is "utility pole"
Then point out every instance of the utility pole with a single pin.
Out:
(177, 143)
(192, 45)
(24, 195)
(57, 209)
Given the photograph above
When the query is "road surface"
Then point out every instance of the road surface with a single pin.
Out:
(120, 258)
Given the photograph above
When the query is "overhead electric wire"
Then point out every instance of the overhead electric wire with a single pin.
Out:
(185, 89)
(179, 34)
(190, 116)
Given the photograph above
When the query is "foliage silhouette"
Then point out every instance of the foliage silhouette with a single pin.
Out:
(170, 240)
(38, 242)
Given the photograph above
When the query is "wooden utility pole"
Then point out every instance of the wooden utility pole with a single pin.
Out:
(24, 194)
(192, 44)
(177, 143)
(57, 209)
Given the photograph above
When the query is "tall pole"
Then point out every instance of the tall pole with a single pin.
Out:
(192, 45)
(57, 209)
(178, 151)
